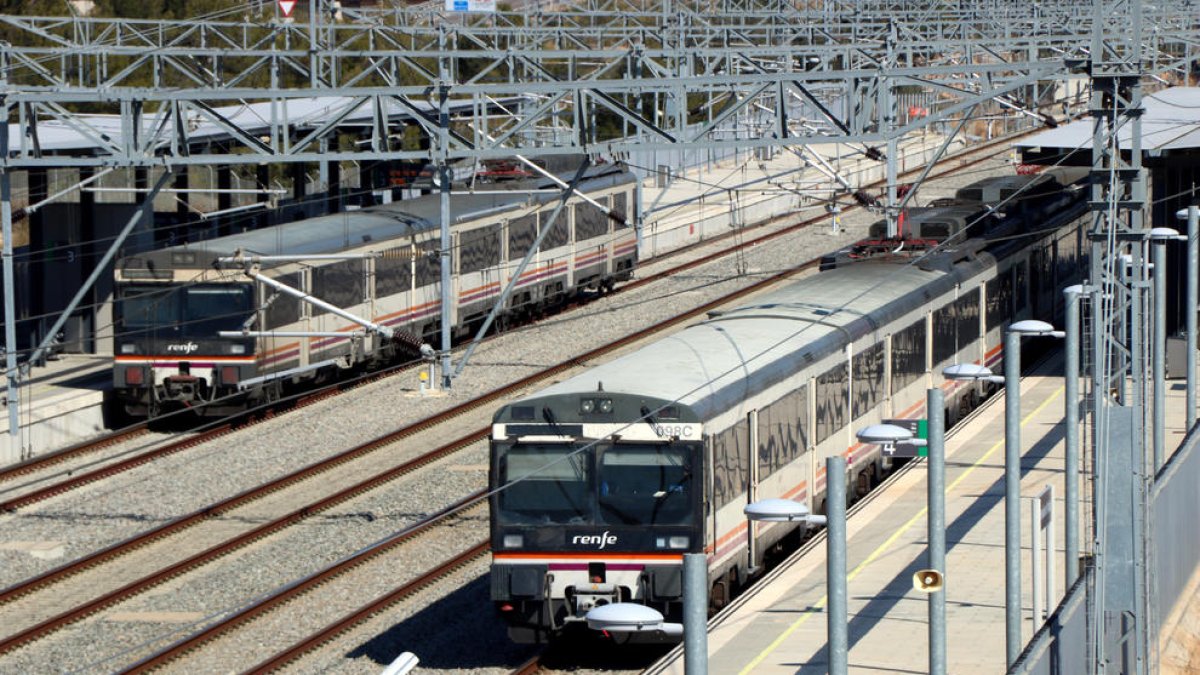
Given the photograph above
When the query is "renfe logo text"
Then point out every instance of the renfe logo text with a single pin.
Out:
(594, 539)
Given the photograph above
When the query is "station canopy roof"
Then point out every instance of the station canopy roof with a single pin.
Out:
(1171, 123)
(98, 131)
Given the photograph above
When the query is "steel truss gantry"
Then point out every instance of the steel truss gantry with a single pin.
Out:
(603, 79)
(662, 76)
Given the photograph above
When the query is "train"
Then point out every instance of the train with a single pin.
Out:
(232, 322)
(600, 483)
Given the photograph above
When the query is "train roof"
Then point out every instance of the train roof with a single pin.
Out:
(714, 365)
(352, 229)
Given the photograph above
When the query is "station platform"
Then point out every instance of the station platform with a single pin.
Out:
(61, 403)
(779, 626)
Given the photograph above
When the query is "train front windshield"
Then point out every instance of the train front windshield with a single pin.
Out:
(183, 311)
(627, 485)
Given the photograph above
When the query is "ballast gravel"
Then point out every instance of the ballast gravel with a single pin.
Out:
(99, 515)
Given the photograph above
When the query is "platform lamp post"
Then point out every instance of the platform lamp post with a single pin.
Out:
(1159, 237)
(788, 511)
(1192, 214)
(928, 580)
(1012, 478)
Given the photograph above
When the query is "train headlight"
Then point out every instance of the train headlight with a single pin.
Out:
(514, 540)
(605, 405)
(129, 348)
(237, 349)
(678, 542)
(587, 405)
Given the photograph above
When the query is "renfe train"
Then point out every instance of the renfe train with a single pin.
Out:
(601, 482)
(172, 305)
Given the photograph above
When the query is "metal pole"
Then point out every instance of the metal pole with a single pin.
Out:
(546, 227)
(695, 614)
(1159, 348)
(1035, 558)
(10, 316)
(1071, 475)
(1193, 216)
(835, 564)
(443, 171)
(937, 528)
(1012, 495)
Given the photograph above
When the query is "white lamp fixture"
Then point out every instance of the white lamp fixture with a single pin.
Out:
(629, 617)
(971, 372)
(1033, 327)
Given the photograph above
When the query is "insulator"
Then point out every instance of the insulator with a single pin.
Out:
(397, 254)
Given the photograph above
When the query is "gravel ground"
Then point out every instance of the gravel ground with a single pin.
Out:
(99, 515)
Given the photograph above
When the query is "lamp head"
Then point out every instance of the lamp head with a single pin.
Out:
(971, 372)
(884, 434)
(1033, 327)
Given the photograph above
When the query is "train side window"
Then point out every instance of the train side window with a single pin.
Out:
(559, 235)
(284, 309)
(944, 342)
(393, 275)
(781, 432)
(833, 388)
(429, 266)
(339, 283)
(590, 222)
(966, 311)
(521, 233)
(479, 249)
(908, 355)
(999, 299)
(1019, 287)
(868, 380)
(620, 209)
(731, 459)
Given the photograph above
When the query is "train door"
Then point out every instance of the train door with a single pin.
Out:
(731, 478)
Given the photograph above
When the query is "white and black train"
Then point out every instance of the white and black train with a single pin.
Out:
(172, 305)
(602, 482)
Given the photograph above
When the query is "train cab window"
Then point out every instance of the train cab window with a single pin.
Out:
(547, 483)
(179, 311)
(209, 309)
(140, 308)
(645, 486)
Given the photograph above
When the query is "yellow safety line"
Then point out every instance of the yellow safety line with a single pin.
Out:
(891, 540)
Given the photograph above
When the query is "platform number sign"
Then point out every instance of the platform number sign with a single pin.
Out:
(286, 7)
(919, 429)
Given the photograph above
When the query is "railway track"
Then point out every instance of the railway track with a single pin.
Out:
(222, 509)
(76, 478)
(275, 600)
(224, 512)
